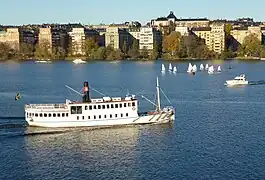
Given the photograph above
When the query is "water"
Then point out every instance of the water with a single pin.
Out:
(218, 132)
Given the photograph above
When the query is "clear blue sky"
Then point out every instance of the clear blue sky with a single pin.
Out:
(18, 12)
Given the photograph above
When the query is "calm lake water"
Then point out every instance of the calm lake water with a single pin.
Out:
(219, 132)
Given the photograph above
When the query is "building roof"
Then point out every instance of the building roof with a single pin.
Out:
(194, 19)
(171, 15)
(162, 19)
(241, 28)
(201, 29)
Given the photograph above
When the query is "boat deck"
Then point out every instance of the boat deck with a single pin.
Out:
(48, 107)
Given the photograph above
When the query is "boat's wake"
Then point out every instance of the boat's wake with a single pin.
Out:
(256, 82)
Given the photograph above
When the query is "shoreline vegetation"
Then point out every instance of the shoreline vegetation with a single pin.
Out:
(173, 48)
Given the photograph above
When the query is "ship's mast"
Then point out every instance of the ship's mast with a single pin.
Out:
(158, 95)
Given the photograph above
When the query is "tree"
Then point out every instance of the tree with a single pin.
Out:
(26, 50)
(100, 53)
(133, 51)
(125, 47)
(43, 51)
(90, 46)
(171, 43)
(251, 45)
(262, 51)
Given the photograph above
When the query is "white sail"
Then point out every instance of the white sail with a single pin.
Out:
(219, 69)
(194, 68)
(170, 67)
(163, 69)
(189, 68)
(201, 67)
(210, 70)
(206, 67)
(175, 69)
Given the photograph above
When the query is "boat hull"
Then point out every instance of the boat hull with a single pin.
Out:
(158, 118)
(235, 83)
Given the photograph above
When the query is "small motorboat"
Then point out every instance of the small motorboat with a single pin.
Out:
(238, 80)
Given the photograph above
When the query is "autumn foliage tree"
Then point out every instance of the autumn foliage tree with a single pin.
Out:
(251, 46)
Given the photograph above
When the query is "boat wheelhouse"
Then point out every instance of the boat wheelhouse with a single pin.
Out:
(105, 111)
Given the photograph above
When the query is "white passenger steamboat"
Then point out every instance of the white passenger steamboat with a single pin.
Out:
(105, 111)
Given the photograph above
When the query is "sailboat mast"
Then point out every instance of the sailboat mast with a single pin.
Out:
(158, 95)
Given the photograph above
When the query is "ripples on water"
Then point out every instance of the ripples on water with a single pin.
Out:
(218, 133)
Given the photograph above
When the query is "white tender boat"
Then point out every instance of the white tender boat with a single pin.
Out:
(238, 80)
(79, 61)
(105, 111)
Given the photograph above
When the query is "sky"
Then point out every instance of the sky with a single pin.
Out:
(18, 12)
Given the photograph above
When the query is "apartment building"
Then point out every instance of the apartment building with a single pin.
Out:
(77, 39)
(11, 37)
(28, 36)
(149, 37)
(239, 33)
(60, 39)
(45, 36)
(116, 37)
(214, 36)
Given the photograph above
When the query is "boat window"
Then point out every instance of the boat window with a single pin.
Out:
(27, 114)
(107, 106)
(105, 116)
(50, 115)
(125, 104)
(126, 114)
(36, 114)
(110, 115)
(79, 109)
(90, 107)
(83, 117)
(73, 109)
(66, 114)
(45, 115)
(133, 104)
(77, 117)
(85, 107)
(40, 114)
(103, 106)
(120, 105)
(94, 117)
(95, 107)
(54, 115)
(129, 104)
(112, 106)
(121, 115)
(99, 116)
(58, 114)
(116, 105)
(62, 114)
(116, 115)
(99, 106)
(88, 117)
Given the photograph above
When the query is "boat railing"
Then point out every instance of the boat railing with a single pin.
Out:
(46, 106)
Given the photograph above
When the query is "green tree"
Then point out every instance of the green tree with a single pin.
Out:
(26, 50)
(262, 51)
(100, 54)
(43, 51)
(125, 47)
(251, 46)
(90, 47)
(133, 51)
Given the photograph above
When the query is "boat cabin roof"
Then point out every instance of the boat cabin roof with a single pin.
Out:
(105, 100)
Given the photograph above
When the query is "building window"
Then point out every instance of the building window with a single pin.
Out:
(120, 105)
(99, 106)
(112, 106)
(116, 105)
(66, 114)
(129, 104)
(124, 104)
(85, 107)
(116, 115)
(133, 104)
(95, 107)
(105, 116)
(36, 114)
(103, 106)
(107, 106)
(110, 115)
(88, 117)
(76, 109)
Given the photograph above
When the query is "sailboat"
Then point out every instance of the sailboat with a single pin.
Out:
(175, 69)
(170, 67)
(206, 67)
(219, 69)
(210, 70)
(201, 67)
(194, 68)
(190, 68)
(163, 69)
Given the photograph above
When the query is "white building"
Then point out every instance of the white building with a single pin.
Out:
(77, 36)
(149, 37)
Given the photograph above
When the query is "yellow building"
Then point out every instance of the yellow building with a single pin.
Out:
(77, 39)
(11, 37)
(45, 36)
(191, 23)
(214, 36)
(239, 33)
(116, 37)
